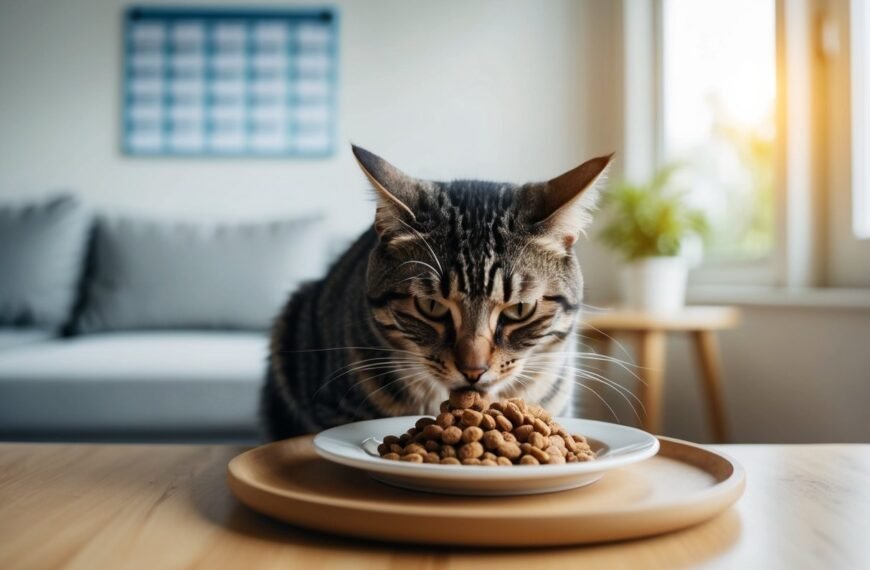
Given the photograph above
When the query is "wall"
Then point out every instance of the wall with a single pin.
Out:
(443, 90)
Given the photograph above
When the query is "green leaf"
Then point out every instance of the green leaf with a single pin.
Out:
(650, 219)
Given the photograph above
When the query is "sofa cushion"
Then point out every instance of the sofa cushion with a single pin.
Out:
(156, 275)
(42, 247)
(13, 337)
(133, 383)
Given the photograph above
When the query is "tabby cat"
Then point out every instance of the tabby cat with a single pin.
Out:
(462, 284)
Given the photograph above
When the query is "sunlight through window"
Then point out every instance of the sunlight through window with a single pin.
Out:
(719, 93)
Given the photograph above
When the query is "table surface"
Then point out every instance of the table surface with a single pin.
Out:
(167, 506)
(691, 318)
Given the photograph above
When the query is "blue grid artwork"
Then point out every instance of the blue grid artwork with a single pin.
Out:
(230, 82)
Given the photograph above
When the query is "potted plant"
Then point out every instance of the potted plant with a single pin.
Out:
(648, 224)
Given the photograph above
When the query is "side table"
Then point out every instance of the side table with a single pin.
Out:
(650, 331)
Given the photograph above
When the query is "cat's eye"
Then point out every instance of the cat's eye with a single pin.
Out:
(430, 308)
(519, 311)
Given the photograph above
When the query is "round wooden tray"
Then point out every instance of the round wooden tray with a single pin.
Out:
(683, 485)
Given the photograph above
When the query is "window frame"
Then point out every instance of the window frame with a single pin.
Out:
(814, 172)
(847, 254)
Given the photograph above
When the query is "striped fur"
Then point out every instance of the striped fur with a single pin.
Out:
(356, 345)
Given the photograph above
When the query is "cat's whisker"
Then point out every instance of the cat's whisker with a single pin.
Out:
(633, 409)
(369, 396)
(584, 355)
(620, 390)
(377, 361)
(376, 376)
(603, 401)
(418, 276)
(607, 336)
(617, 362)
(595, 309)
(426, 243)
(364, 367)
(367, 361)
(594, 375)
(427, 399)
(429, 403)
(389, 365)
(595, 357)
(519, 376)
(621, 363)
(416, 371)
(545, 366)
(423, 263)
(374, 348)
(354, 368)
(519, 256)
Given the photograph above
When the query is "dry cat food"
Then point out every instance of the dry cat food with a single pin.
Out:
(471, 431)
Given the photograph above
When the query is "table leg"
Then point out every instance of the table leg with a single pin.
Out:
(651, 359)
(708, 356)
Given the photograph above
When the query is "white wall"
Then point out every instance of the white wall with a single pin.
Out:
(444, 90)
(792, 374)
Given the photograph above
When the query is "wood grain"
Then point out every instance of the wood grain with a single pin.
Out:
(683, 485)
(711, 374)
(145, 506)
(689, 319)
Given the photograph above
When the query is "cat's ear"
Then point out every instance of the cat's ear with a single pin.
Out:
(567, 201)
(397, 193)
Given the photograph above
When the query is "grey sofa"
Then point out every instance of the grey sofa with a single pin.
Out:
(131, 385)
(162, 333)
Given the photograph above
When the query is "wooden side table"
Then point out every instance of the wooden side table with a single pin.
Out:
(650, 331)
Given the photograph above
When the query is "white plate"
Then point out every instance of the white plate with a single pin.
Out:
(616, 446)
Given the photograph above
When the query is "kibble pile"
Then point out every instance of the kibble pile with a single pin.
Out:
(471, 431)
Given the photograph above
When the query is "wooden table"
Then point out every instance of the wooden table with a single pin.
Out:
(650, 331)
(154, 507)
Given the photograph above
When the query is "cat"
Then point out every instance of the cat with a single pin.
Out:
(457, 285)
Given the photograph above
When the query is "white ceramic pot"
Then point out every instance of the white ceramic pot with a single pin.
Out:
(655, 284)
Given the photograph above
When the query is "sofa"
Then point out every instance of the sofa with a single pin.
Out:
(131, 385)
(118, 328)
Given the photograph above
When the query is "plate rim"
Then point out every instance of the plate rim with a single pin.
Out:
(480, 473)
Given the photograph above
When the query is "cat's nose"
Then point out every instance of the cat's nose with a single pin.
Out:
(473, 374)
(472, 357)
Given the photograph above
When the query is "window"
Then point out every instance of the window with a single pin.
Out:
(765, 107)
(718, 89)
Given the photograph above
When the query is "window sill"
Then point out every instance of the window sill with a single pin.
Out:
(820, 297)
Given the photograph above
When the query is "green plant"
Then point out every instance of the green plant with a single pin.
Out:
(652, 219)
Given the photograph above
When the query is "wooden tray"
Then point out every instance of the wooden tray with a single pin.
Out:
(683, 485)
